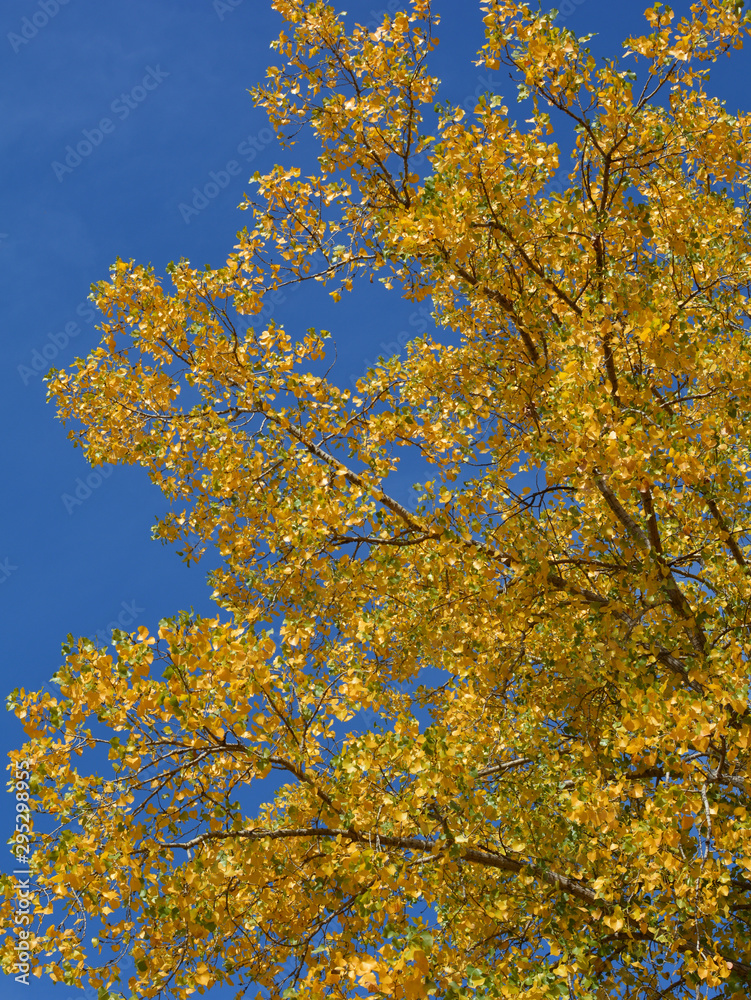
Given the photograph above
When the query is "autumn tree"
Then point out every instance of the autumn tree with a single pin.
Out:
(502, 735)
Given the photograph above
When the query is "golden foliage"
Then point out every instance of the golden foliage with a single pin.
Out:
(573, 819)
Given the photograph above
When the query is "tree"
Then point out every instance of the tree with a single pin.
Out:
(550, 650)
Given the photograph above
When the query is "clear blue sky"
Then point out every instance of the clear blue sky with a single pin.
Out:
(171, 78)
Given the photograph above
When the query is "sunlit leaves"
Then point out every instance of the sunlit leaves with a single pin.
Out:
(501, 735)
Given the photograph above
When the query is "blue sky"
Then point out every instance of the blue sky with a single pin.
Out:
(154, 92)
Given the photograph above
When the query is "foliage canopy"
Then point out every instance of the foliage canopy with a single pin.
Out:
(503, 734)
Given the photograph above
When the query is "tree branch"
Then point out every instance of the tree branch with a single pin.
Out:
(471, 855)
(727, 533)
